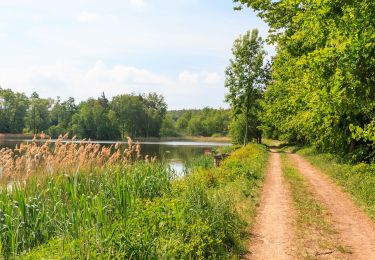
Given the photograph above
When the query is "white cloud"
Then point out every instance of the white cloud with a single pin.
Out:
(211, 78)
(125, 75)
(188, 77)
(87, 17)
(3, 35)
(181, 90)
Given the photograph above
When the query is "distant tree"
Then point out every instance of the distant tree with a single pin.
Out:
(38, 116)
(156, 109)
(13, 107)
(61, 116)
(246, 77)
(94, 121)
(130, 114)
(168, 127)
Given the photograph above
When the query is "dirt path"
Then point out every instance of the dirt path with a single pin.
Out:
(355, 229)
(273, 232)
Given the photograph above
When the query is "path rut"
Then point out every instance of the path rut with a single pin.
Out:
(355, 229)
(273, 231)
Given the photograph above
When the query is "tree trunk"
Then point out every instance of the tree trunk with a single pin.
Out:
(246, 123)
(352, 145)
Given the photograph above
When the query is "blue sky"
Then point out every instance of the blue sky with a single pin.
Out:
(81, 48)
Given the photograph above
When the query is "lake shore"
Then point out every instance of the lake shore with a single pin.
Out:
(219, 139)
(15, 136)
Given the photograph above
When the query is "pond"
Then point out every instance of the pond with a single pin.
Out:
(176, 153)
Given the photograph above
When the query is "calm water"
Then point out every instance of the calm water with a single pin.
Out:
(174, 152)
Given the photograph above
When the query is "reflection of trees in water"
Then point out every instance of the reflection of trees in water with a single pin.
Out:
(174, 152)
(10, 144)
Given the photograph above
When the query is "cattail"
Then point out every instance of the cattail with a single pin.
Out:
(130, 142)
(66, 135)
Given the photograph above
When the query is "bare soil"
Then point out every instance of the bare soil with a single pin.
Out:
(273, 233)
(355, 229)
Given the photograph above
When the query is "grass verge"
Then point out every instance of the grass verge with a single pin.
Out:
(139, 212)
(315, 233)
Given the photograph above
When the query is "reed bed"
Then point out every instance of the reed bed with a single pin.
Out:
(65, 157)
(125, 207)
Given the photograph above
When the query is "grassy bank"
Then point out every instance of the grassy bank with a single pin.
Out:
(358, 179)
(315, 233)
(138, 211)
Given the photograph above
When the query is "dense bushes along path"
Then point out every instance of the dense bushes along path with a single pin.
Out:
(305, 215)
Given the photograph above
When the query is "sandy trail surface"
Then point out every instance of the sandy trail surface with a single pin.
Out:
(273, 232)
(355, 229)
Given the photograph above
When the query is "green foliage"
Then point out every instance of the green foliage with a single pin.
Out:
(124, 115)
(168, 127)
(245, 77)
(13, 107)
(137, 212)
(322, 89)
(95, 121)
(139, 115)
(61, 116)
(204, 122)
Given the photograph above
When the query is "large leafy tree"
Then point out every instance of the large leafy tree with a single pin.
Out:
(322, 90)
(245, 78)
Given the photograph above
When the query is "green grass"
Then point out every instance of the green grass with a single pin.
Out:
(315, 232)
(141, 212)
(357, 179)
(272, 142)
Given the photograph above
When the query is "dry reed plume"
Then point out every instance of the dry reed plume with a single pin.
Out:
(64, 157)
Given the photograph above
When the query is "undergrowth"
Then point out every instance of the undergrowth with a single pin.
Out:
(139, 211)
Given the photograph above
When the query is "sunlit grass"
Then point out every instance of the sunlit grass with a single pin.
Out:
(130, 208)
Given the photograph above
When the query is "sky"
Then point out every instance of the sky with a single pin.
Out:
(81, 48)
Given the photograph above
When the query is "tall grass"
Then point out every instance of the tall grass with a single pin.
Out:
(64, 157)
(135, 209)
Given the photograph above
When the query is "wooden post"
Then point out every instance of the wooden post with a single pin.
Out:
(218, 158)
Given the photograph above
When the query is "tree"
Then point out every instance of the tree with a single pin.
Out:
(130, 113)
(323, 79)
(38, 116)
(13, 107)
(61, 117)
(246, 76)
(156, 109)
(95, 121)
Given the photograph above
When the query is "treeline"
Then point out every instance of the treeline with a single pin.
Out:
(198, 122)
(322, 86)
(124, 115)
